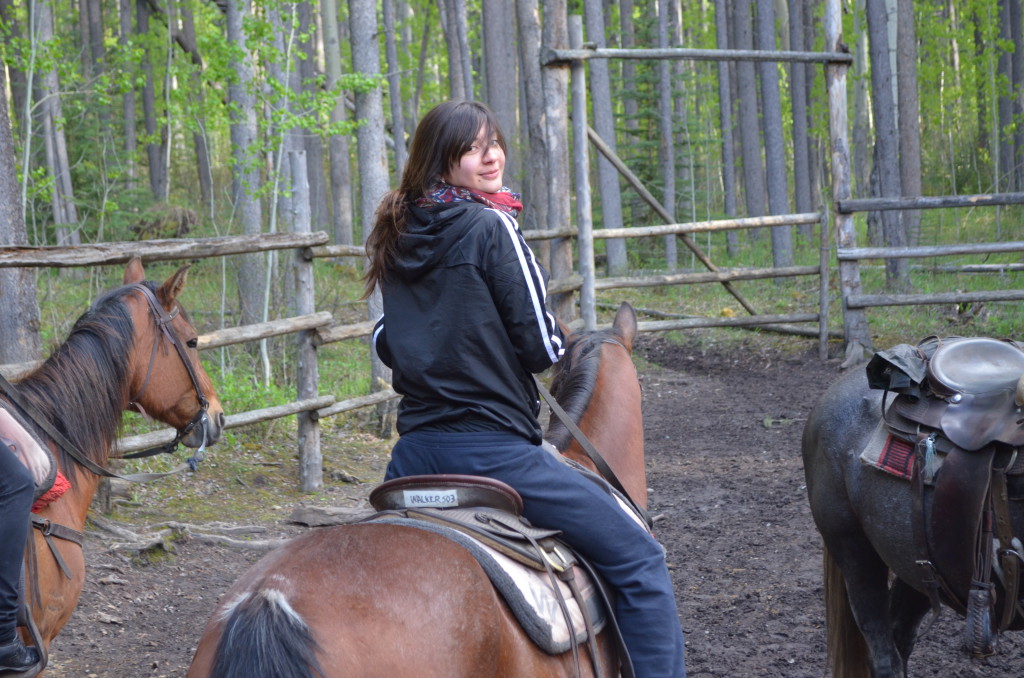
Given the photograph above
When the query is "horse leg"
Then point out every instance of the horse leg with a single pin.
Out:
(907, 607)
(866, 579)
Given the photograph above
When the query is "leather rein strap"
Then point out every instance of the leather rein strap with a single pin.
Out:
(163, 322)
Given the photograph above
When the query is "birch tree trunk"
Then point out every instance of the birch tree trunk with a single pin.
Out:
(245, 163)
(604, 124)
(19, 323)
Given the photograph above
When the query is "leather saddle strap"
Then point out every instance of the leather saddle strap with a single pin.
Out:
(51, 530)
(588, 447)
(569, 577)
(1008, 557)
(931, 579)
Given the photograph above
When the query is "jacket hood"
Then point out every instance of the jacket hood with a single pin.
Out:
(429, 235)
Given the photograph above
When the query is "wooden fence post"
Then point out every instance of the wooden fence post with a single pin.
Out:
(581, 161)
(307, 374)
(855, 324)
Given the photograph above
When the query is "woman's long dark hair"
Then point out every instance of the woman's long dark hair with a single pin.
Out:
(443, 136)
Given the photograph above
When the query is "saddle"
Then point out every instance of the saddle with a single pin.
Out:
(557, 598)
(955, 403)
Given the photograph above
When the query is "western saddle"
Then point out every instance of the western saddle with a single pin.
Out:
(956, 401)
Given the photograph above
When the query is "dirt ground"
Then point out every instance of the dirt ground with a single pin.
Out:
(723, 430)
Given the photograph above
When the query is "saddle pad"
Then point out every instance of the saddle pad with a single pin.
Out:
(528, 592)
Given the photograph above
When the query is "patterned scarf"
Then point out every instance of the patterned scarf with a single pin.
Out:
(442, 193)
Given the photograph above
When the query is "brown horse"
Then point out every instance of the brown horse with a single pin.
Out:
(377, 600)
(119, 355)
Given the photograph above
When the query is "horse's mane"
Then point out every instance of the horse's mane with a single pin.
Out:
(572, 383)
(82, 388)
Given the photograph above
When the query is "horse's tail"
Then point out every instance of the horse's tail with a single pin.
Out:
(263, 636)
(847, 650)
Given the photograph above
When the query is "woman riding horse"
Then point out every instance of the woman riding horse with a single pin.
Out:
(464, 328)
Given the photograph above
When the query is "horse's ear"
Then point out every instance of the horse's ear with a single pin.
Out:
(566, 330)
(134, 273)
(625, 324)
(172, 287)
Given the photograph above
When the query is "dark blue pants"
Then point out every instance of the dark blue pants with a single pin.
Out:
(558, 497)
(16, 490)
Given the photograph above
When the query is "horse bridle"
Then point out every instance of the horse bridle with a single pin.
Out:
(163, 321)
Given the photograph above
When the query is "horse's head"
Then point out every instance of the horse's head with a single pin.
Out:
(166, 379)
(597, 385)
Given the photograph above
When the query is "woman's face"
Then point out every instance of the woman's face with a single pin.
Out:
(481, 167)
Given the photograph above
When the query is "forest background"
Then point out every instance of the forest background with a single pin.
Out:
(161, 118)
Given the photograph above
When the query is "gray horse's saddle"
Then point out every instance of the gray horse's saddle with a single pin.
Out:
(555, 600)
(963, 387)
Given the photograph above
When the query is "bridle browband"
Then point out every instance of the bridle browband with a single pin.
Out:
(163, 320)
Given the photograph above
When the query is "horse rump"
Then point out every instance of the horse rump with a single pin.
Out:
(263, 636)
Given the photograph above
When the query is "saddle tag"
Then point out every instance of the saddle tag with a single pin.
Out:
(431, 498)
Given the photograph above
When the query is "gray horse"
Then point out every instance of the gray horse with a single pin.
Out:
(876, 591)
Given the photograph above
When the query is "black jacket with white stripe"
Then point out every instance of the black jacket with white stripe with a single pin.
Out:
(465, 323)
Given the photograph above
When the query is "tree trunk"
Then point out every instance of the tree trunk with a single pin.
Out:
(372, 152)
(341, 171)
(725, 122)
(1005, 135)
(245, 162)
(204, 171)
(394, 86)
(20, 96)
(128, 98)
(746, 85)
(555, 35)
(774, 144)
(449, 25)
(604, 124)
(666, 137)
(157, 176)
(801, 145)
(909, 116)
(65, 213)
(1016, 93)
(312, 142)
(535, 185)
(19, 323)
(499, 38)
(861, 150)
(886, 140)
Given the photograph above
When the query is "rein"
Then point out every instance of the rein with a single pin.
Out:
(588, 447)
(163, 322)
